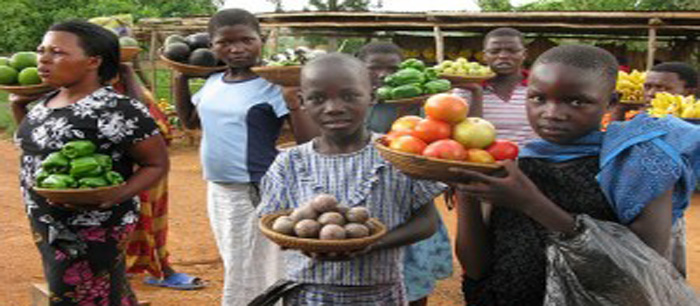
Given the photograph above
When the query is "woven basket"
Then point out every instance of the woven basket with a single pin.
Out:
(466, 79)
(415, 100)
(28, 90)
(85, 198)
(280, 75)
(127, 54)
(427, 167)
(316, 245)
(632, 102)
(191, 70)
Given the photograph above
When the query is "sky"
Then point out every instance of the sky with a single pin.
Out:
(389, 5)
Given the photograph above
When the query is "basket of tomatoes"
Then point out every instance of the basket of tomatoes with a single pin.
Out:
(428, 147)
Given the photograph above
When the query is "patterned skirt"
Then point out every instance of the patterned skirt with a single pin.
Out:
(326, 295)
(147, 251)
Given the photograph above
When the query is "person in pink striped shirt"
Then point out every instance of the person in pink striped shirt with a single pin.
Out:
(503, 99)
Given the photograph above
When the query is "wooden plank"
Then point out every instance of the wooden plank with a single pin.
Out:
(153, 58)
(651, 47)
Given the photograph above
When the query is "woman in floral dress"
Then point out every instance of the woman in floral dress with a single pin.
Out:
(83, 250)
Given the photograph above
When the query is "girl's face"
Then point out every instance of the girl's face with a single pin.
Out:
(62, 61)
(336, 99)
(237, 46)
(565, 102)
(381, 65)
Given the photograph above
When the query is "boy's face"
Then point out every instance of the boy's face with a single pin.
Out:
(669, 82)
(504, 54)
(238, 46)
(336, 98)
(565, 102)
(381, 65)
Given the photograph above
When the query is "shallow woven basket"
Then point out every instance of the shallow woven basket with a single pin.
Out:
(127, 54)
(377, 230)
(466, 79)
(85, 198)
(280, 75)
(191, 70)
(28, 90)
(427, 167)
(632, 102)
(415, 100)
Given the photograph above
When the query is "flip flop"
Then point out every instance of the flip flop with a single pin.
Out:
(177, 281)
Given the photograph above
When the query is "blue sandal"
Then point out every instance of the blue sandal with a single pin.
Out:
(177, 281)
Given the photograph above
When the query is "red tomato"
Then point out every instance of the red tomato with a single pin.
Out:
(446, 107)
(395, 134)
(430, 130)
(446, 149)
(480, 156)
(408, 144)
(503, 149)
(405, 123)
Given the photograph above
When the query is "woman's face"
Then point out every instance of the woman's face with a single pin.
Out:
(63, 62)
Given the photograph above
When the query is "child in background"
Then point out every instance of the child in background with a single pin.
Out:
(241, 116)
(336, 92)
(429, 260)
(574, 169)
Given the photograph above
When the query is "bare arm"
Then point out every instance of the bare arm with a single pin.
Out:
(133, 88)
(472, 245)
(422, 225)
(653, 225)
(19, 105)
(476, 104)
(302, 127)
(183, 103)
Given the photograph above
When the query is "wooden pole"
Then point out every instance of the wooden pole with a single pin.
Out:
(651, 43)
(153, 56)
(274, 40)
(439, 44)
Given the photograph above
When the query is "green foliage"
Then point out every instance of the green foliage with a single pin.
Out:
(495, 5)
(23, 22)
(608, 5)
(335, 5)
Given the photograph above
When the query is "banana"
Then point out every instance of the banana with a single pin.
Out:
(665, 104)
(631, 85)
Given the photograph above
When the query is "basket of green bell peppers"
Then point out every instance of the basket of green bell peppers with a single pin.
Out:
(77, 166)
(412, 80)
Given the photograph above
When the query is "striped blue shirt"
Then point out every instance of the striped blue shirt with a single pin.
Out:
(360, 178)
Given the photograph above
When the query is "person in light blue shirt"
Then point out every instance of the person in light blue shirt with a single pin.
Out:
(241, 116)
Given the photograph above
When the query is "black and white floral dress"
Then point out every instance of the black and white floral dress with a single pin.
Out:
(82, 251)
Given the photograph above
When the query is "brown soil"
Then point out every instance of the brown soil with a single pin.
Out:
(190, 240)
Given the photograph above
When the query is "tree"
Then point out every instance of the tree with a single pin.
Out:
(23, 22)
(609, 5)
(495, 5)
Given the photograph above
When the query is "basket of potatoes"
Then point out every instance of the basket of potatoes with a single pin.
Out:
(323, 226)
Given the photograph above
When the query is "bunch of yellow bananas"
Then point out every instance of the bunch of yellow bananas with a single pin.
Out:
(665, 104)
(631, 86)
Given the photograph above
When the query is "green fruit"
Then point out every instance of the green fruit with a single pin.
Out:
(4, 61)
(21, 60)
(173, 39)
(8, 75)
(29, 76)
(126, 41)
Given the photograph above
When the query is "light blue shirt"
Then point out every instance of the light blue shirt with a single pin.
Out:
(241, 122)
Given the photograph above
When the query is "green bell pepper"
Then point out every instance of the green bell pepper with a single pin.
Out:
(58, 181)
(412, 63)
(40, 177)
(84, 167)
(78, 148)
(384, 93)
(431, 74)
(114, 178)
(406, 91)
(55, 162)
(405, 77)
(437, 86)
(104, 160)
(92, 182)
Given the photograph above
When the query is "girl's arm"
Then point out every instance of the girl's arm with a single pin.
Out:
(128, 77)
(422, 225)
(302, 127)
(516, 191)
(186, 111)
(472, 245)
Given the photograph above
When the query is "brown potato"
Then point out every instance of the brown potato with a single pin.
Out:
(356, 230)
(324, 203)
(342, 209)
(332, 218)
(357, 215)
(284, 225)
(304, 213)
(307, 228)
(332, 232)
